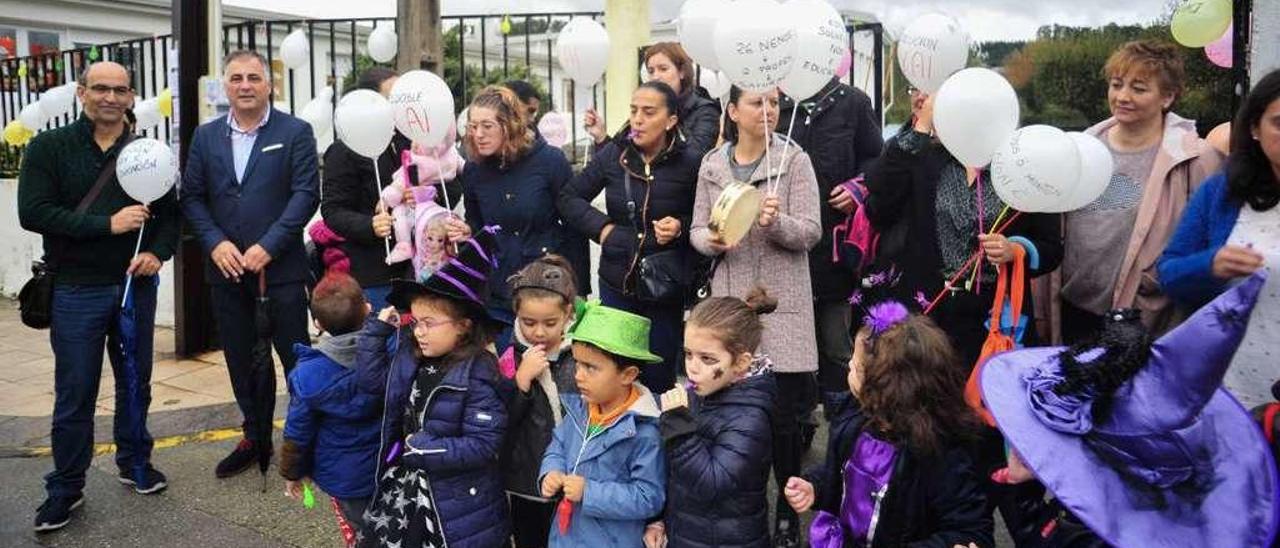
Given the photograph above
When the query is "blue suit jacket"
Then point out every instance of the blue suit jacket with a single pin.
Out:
(270, 207)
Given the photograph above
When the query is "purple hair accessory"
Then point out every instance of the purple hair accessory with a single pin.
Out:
(922, 300)
(883, 316)
(856, 298)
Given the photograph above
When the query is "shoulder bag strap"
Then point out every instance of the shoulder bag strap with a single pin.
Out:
(104, 176)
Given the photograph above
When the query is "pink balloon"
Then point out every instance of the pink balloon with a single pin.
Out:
(846, 63)
(1221, 51)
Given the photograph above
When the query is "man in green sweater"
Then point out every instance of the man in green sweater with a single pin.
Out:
(90, 250)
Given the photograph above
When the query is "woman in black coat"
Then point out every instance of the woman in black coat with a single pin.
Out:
(649, 180)
(927, 213)
(668, 63)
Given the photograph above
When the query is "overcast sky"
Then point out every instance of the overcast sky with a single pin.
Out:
(985, 19)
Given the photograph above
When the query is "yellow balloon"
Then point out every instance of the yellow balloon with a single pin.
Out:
(165, 101)
(1197, 23)
(22, 70)
(17, 134)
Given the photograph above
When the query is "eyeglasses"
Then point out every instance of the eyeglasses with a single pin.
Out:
(424, 325)
(483, 127)
(100, 89)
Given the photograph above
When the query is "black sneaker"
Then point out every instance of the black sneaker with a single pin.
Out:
(152, 480)
(56, 512)
(240, 459)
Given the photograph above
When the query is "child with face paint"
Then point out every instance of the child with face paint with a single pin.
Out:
(896, 472)
(541, 362)
(716, 432)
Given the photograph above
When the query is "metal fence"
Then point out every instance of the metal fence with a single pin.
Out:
(23, 79)
(480, 49)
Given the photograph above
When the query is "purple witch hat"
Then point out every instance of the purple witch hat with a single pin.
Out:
(464, 278)
(1173, 459)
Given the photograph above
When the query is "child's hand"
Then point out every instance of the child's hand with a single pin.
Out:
(799, 494)
(532, 363)
(1014, 473)
(552, 483)
(674, 399)
(574, 488)
(293, 489)
(389, 316)
(655, 535)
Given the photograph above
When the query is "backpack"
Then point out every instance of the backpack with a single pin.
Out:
(854, 240)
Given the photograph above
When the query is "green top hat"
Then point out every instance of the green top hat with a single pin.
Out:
(615, 331)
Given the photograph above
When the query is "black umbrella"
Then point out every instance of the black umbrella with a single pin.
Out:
(264, 378)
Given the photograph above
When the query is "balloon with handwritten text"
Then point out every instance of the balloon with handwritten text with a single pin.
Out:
(1037, 169)
(422, 107)
(931, 49)
(821, 42)
(147, 169)
(756, 44)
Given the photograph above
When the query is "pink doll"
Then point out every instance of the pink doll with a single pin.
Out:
(431, 237)
(432, 165)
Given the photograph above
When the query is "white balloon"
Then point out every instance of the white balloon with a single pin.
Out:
(931, 49)
(716, 83)
(147, 112)
(33, 116)
(364, 123)
(319, 112)
(463, 118)
(756, 44)
(295, 50)
(554, 127)
(422, 107)
(974, 112)
(1036, 169)
(147, 169)
(59, 100)
(696, 29)
(821, 42)
(1096, 169)
(383, 44)
(583, 50)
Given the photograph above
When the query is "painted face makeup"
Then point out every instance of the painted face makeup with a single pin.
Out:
(707, 362)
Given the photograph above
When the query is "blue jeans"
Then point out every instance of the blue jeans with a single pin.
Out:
(666, 337)
(84, 321)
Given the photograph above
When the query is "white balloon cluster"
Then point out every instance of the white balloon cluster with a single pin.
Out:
(760, 44)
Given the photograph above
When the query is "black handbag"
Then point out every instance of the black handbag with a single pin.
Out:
(664, 277)
(35, 299)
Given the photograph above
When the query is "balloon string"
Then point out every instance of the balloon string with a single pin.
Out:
(128, 280)
(443, 189)
(998, 219)
(790, 127)
(964, 269)
(977, 181)
(386, 242)
(768, 163)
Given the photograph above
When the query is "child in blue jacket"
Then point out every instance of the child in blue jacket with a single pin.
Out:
(331, 433)
(605, 458)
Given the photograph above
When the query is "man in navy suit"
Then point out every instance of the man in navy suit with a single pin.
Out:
(249, 189)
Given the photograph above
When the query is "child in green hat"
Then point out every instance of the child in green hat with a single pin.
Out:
(606, 456)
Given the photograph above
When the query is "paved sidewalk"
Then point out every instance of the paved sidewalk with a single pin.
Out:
(198, 386)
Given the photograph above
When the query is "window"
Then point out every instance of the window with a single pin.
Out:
(8, 42)
(41, 42)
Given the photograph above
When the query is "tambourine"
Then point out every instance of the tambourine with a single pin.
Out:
(734, 212)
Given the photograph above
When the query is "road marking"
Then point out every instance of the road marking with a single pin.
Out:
(168, 442)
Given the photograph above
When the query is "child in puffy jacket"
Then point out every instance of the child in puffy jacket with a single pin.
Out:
(331, 433)
(716, 431)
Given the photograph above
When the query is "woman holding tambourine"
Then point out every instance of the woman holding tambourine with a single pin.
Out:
(648, 178)
(757, 209)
